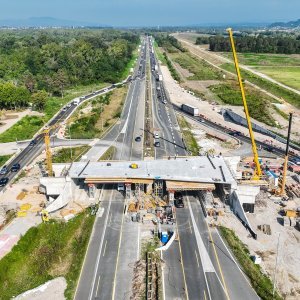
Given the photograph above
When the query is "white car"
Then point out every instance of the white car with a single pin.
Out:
(156, 135)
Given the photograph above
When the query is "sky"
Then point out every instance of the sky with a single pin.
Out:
(154, 12)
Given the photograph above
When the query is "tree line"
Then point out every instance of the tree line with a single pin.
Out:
(35, 62)
(254, 44)
(169, 43)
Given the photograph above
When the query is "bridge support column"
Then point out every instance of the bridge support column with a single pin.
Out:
(92, 190)
(171, 197)
(127, 190)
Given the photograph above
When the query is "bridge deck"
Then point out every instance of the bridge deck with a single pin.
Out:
(191, 169)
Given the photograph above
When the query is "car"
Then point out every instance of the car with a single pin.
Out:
(69, 105)
(64, 108)
(138, 139)
(178, 195)
(156, 135)
(179, 203)
(4, 170)
(3, 181)
(16, 167)
(32, 143)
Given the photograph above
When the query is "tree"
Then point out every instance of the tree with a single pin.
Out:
(29, 81)
(39, 99)
(60, 80)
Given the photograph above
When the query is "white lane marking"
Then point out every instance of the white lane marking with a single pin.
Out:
(197, 258)
(236, 263)
(98, 285)
(138, 247)
(207, 265)
(104, 248)
(100, 249)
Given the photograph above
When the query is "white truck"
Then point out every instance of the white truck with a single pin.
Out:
(192, 110)
(77, 101)
(160, 78)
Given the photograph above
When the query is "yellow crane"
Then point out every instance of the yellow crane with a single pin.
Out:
(257, 173)
(47, 141)
(46, 133)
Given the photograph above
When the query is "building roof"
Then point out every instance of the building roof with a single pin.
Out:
(191, 169)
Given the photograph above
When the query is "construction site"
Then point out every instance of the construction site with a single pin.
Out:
(155, 200)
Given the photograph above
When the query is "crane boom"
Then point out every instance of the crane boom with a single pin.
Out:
(258, 172)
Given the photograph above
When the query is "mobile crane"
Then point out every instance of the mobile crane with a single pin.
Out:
(257, 173)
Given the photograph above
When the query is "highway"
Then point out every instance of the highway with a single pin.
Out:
(242, 138)
(27, 155)
(106, 273)
(194, 269)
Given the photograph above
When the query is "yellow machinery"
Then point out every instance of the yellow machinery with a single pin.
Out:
(45, 215)
(46, 133)
(257, 173)
(48, 147)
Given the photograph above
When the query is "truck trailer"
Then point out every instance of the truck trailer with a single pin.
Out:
(192, 110)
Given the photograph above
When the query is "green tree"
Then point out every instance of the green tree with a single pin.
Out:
(39, 99)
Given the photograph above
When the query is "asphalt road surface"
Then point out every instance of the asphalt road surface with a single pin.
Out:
(105, 273)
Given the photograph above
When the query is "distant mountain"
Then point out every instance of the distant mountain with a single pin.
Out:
(291, 24)
(47, 22)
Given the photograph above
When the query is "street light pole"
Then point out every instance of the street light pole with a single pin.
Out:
(70, 140)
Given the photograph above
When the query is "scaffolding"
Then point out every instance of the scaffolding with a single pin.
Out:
(158, 188)
(139, 187)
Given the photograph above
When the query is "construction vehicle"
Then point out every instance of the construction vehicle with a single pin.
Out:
(257, 173)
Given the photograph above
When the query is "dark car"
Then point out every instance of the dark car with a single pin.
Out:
(178, 195)
(4, 170)
(15, 168)
(138, 139)
(3, 181)
(32, 143)
(179, 203)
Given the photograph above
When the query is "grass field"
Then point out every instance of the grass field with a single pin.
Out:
(106, 110)
(273, 88)
(45, 252)
(68, 155)
(200, 69)
(188, 137)
(286, 75)
(22, 130)
(257, 103)
(259, 281)
(4, 159)
(266, 59)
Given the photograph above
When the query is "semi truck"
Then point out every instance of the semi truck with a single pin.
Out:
(192, 110)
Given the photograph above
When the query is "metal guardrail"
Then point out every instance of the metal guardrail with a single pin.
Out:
(149, 277)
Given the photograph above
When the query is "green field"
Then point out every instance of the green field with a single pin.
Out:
(257, 102)
(201, 69)
(4, 159)
(266, 59)
(68, 155)
(286, 75)
(47, 251)
(267, 85)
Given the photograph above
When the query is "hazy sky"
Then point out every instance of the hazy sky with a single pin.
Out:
(154, 12)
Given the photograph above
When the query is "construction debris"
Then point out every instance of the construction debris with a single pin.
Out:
(265, 228)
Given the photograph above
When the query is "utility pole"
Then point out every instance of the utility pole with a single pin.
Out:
(286, 159)
(69, 127)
